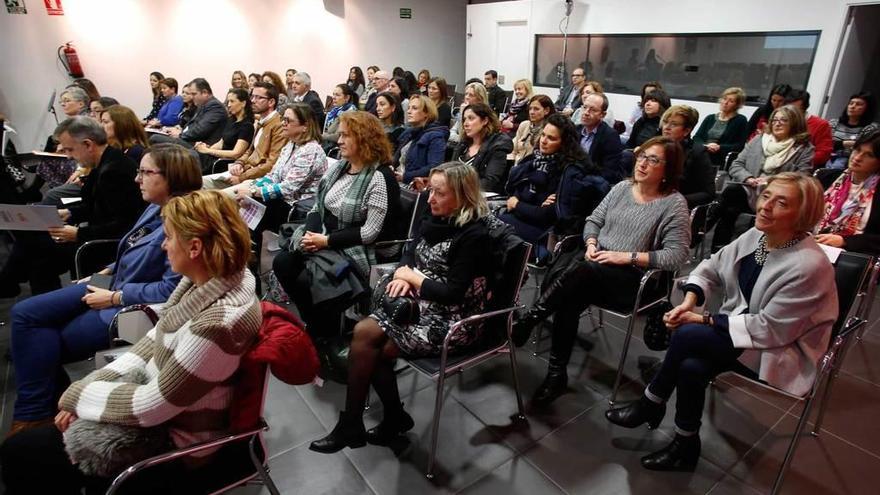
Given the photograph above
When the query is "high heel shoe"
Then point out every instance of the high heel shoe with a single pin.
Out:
(348, 432)
(680, 455)
(394, 424)
(637, 413)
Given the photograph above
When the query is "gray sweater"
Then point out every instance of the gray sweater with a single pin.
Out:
(660, 227)
(786, 325)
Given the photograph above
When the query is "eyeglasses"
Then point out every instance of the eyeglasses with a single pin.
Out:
(142, 172)
(781, 120)
(259, 97)
(673, 125)
(286, 121)
(653, 160)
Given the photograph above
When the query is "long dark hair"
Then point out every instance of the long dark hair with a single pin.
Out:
(244, 95)
(570, 150)
(767, 108)
(348, 92)
(158, 75)
(404, 87)
(870, 108)
(358, 77)
(397, 114)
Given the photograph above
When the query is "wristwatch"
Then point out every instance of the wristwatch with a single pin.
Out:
(707, 318)
(633, 258)
(253, 191)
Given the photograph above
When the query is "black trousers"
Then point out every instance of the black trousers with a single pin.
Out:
(275, 215)
(696, 354)
(733, 201)
(582, 284)
(37, 259)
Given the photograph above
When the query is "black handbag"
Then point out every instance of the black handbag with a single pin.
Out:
(656, 335)
(402, 310)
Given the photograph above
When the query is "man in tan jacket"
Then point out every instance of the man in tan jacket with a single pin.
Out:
(266, 146)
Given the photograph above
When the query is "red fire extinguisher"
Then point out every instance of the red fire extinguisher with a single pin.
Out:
(70, 60)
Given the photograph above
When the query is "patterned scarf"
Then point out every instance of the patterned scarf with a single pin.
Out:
(516, 106)
(843, 214)
(334, 113)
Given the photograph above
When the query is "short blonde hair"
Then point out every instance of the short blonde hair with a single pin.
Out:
(528, 84)
(428, 106)
(464, 182)
(738, 93)
(212, 217)
(688, 113)
(479, 90)
(812, 198)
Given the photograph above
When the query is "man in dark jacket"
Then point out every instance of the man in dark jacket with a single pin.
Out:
(303, 92)
(600, 141)
(497, 95)
(570, 97)
(206, 125)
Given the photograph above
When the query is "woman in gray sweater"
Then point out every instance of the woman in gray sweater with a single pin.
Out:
(642, 223)
(779, 303)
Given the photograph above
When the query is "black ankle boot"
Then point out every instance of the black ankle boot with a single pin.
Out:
(553, 297)
(555, 383)
(348, 432)
(680, 455)
(522, 327)
(637, 413)
(393, 424)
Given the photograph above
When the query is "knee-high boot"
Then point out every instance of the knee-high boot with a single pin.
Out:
(557, 294)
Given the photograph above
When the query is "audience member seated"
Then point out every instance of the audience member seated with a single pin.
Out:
(169, 114)
(424, 78)
(97, 107)
(288, 83)
(239, 80)
(518, 112)
(369, 90)
(819, 128)
(655, 103)
(438, 92)
(570, 96)
(639, 112)
(349, 213)
(398, 87)
(589, 88)
(857, 117)
(554, 188)
(783, 147)
(726, 131)
(446, 271)
(758, 120)
(774, 324)
(422, 146)
(356, 82)
(497, 96)
(294, 176)
(125, 131)
(600, 141)
(86, 85)
(344, 99)
(474, 92)
(851, 219)
(302, 89)
(267, 144)
(158, 97)
(237, 134)
(642, 223)
(380, 84)
(391, 117)
(253, 78)
(274, 79)
(74, 101)
(484, 147)
(187, 361)
(207, 122)
(188, 109)
(76, 326)
(697, 181)
(109, 207)
(529, 131)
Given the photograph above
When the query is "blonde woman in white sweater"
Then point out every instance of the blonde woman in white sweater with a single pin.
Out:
(189, 357)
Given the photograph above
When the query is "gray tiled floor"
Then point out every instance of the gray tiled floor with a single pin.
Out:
(570, 447)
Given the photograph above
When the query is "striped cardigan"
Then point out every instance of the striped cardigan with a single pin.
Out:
(190, 356)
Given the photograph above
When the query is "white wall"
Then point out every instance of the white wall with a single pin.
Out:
(121, 41)
(649, 16)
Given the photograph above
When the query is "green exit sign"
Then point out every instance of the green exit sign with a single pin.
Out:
(406, 13)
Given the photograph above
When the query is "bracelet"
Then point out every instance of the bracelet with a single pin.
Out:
(592, 242)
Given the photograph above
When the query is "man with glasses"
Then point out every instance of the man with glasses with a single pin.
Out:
(569, 98)
(599, 140)
(380, 84)
(266, 146)
(206, 124)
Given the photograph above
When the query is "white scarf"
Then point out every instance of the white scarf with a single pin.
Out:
(776, 153)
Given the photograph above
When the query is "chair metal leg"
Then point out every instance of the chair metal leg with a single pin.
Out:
(435, 422)
(519, 403)
(264, 473)
(786, 462)
(538, 333)
(617, 379)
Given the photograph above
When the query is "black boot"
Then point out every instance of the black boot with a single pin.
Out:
(680, 455)
(348, 432)
(394, 423)
(552, 298)
(637, 413)
(555, 383)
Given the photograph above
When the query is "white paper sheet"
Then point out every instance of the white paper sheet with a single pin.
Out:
(29, 217)
(67, 201)
(832, 252)
(252, 211)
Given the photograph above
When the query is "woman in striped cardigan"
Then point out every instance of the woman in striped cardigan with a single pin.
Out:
(189, 357)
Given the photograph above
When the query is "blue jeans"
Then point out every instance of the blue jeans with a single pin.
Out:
(697, 353)
(49, 330)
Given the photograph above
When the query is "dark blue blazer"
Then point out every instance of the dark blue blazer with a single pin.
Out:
(428, 149)
(142, 271)
(605, 151)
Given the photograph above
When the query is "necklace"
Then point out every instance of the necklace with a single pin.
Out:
(762, 251)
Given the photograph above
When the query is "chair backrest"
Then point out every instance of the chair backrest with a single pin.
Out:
(827, 176)
(850, 271)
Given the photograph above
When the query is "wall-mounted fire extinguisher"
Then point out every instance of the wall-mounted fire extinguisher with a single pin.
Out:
(70, 60)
